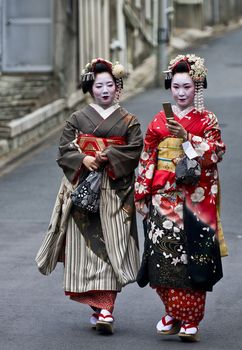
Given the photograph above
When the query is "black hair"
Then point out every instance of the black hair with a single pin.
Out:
(181, 67)
(100, 67)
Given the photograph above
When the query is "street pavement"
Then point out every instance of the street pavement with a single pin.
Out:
(35, 314)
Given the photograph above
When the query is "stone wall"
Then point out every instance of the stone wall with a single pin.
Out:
(22, 93)
(22, 134)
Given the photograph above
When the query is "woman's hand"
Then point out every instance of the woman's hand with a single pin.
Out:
(90, 163)
(176, 129)
(140, 207)
(101, 157)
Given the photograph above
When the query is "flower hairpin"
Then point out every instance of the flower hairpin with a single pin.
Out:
(197, 70)
(117, 69)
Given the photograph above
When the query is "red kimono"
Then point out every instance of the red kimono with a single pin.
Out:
(182, 248)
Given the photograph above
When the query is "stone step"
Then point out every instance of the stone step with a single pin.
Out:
(22, 94)
(7, 116)
(25, 89)
(16, 103)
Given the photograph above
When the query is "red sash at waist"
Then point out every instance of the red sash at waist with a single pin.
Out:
(90, 144)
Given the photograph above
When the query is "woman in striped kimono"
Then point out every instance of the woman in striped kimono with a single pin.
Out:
(100, 249)
(182, 256)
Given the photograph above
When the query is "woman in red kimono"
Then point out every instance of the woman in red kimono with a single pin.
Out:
(99, 250)
(182, 253)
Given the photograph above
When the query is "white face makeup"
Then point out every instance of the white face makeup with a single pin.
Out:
(183, 90)
(104, 90)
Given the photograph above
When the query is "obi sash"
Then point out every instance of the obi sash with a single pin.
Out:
(168, 149)
(90, 144)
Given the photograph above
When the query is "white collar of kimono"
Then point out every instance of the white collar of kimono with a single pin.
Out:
(105, 113)
(181, 113)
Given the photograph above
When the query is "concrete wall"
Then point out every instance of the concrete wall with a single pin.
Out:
(188, 14)
(229, 10)
(66, 46)
(199, 13)
(1, 26)
(141, 29)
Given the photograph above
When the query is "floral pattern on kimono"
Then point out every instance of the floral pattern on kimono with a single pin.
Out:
(168, 202)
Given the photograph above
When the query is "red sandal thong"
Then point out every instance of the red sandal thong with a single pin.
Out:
(168, 325)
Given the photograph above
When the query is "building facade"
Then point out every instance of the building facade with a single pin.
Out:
(45, 44)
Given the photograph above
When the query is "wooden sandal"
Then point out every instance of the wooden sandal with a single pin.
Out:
(94, 319)
(185, 334)
(104, 323)
(174, 323)
(104, 327)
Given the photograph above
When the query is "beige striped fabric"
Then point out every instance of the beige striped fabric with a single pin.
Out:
(85, 271)
(51, 249)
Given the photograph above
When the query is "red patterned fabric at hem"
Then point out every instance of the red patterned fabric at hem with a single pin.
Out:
(186, 305)
(101, 299)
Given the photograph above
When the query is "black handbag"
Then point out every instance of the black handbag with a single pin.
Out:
(87, 194)
(188, 171)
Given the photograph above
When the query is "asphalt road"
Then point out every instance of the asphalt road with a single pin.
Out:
(35, 314)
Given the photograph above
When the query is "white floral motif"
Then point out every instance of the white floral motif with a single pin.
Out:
(144, 156)
(140, 188)
(152, 225)
(154, 238)
(180, 248)
(198, 195)
(201, 148)
(179, 210)
(150, 234)
(140, 168)
(175, 261)
(197, 138)
(214, 157)
(214, 189)
(167, 224)
(167, 255)
(159, 232)
(150, 171)
(156, 199)
(184, 258)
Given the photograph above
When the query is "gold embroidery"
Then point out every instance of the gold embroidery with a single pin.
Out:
(169, 149)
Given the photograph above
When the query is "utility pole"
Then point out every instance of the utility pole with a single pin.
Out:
(162, 41)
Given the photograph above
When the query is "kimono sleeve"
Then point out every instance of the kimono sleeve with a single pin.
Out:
(69, 157)
(209, 147)
(123, 159)
(147, 164)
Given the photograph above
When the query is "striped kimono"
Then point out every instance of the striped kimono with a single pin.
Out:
(100, 249)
